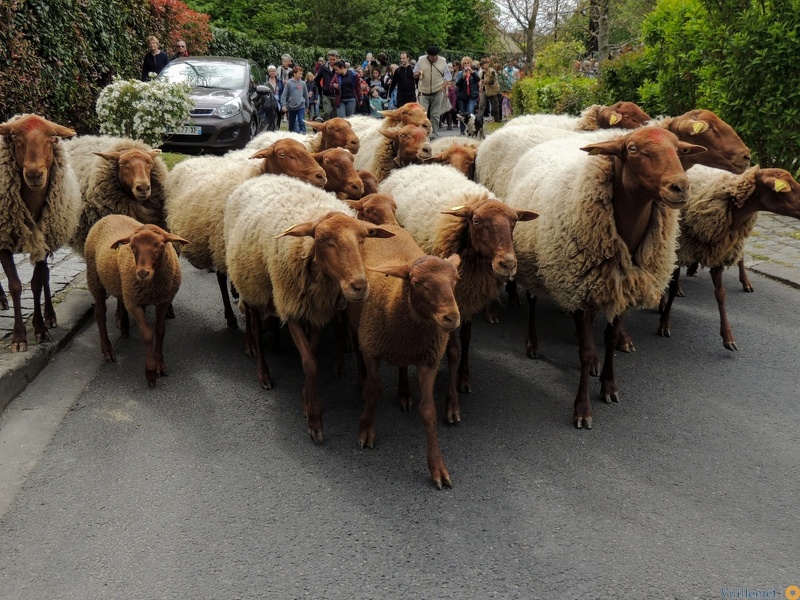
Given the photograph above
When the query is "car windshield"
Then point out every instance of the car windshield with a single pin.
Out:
(227, 76)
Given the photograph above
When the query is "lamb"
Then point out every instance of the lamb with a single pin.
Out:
(622, 115)
(409, 292)
(197, 193)
(459, 156)
(411, 113)
(117, 176)
(385, 149)
(334, 133)
(448, 214)
(303, 279)
(717, 219)
(605, 240)
(40, 201)
(137, 264)
(378, 209)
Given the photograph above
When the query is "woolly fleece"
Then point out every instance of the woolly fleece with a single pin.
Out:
(59, 218)
(265, 269)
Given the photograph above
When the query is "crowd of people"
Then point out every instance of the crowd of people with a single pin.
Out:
(333, 87)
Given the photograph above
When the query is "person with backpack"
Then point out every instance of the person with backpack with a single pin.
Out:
(325, 76)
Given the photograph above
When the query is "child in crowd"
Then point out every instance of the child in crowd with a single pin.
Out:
(376, 103)
(294, 100)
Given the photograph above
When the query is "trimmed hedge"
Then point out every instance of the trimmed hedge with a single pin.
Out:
(568, 94)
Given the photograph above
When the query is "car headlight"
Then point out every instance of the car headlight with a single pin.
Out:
(229, 109)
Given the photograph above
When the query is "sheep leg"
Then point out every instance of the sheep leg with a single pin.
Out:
(724, 327)
(230, 317)
(148, 335)
(262, 370)
(248, 332)
(100, 317)
(691, 270)
(452, 409)
(161, 328)
(608, 383)
(19, 338)
(582, 415)
(624, 340)
(39, 328)
(404, 390)
(426, 375)
(464, 382)
(310, 395)
(743, 278)
(341, 337)
(490, 312)
(50, 320)
(372, 392)
(532, 340)
(3, 299)
(123, 322)
(513, 294)
(663, 326)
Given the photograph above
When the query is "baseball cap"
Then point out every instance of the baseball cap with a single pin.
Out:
(433, 50)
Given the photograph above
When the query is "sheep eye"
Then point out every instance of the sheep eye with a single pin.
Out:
(632, 149)
(282, 155)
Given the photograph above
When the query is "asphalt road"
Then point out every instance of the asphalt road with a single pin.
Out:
(209, 487)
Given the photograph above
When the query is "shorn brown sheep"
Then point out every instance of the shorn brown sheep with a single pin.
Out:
(138, 265)
(39, 206)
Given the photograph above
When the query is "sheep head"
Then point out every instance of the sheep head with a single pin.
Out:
(290, 157)
(410, 144)
(725, 149)
(370, 182)
(340, 172)
(32, 139)
(338, 245)
(622, 115)
(378, 209)
(773, 190)
(430, 282)
(336, 133)
(148, 244)
(411, 113)
(650, 169)
(134, 168)
(459, 156)
(491, 231)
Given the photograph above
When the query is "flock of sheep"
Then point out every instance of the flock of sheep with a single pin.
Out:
(399, 242)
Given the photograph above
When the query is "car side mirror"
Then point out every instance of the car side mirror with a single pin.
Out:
(262, 89)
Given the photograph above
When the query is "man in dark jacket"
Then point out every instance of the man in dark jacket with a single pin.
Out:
(403, 81)
(327, 94)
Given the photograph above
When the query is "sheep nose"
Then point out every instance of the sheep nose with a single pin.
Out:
(452, 320)
(508, 264)
(35, 177)
(143, 190)
(353, 147)
(357, 188)
(142, 274)
(320, 179)
(359, 285)
(425, 151)
(677, 188)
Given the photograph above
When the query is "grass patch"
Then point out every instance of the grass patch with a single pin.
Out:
(795, 235)
(173, 158)
(760, 257)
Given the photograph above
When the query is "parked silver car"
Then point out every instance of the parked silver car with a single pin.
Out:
(227, 95)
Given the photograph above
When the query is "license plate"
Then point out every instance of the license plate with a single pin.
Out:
(187, 130)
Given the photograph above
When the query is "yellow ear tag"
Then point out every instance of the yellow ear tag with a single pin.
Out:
(457, 208)
(698, 127)
(781, 186)
(615, 118)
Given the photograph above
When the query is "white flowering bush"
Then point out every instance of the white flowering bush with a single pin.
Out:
(143, 110)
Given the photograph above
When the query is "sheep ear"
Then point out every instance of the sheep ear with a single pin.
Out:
(154, 153)
(698, 127)
(111, 156)
(400, 271)
(525, 215)
(263, 153)
(315, 125)
(390, 113)
(687, 149)
(378, 232)
(775, 184)
(317, 156)
(120, 242)
(356, 205)
(5, 129)
(465, 212)
(437, 158)
(615, 147)
(455, 260)
(614, 118)
(171, 237)
(299, 230)
(390, 133)
(64, 132)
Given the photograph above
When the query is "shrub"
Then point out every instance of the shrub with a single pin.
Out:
(143, 110)
(622, 78)
(567, 94)
(558, 58)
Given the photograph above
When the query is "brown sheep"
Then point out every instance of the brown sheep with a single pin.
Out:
(378, 209)
(138, 265)
(409, 292)
(341, 175)
(333, 133)
(459, 156)
(387, 149)
(370, 182)
(40, 202)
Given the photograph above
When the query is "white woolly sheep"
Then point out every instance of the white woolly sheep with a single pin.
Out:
(605, 238)
(385, 149)
(409, 292)
(411, 113)
(118, 176)
(197, 194)
(303, 279)
(621, 115)
(138, 265)
(448, 214)
(40, 201)
(333, 133)
(717, 219)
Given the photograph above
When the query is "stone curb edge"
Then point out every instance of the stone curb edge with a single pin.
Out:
(17, 370)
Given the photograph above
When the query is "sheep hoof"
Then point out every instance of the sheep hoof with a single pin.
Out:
(43, 336)
(109, 357)
(626, 346)
(583, 422)
(50, 322)
(453, 417)
(594, 370)
(232, 322)
(266, 384)
(443, 480)
(170, 312)
(731, 346)
(316, 435)
(367, 440)
(663, 331)
(608, 398)
(745, 287)
(406, 403)
(4, 303)
(465, 387)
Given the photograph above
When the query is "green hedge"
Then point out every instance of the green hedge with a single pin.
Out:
(566, 94)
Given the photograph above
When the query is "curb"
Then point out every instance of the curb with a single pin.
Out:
(787, 275)
(17, 370)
